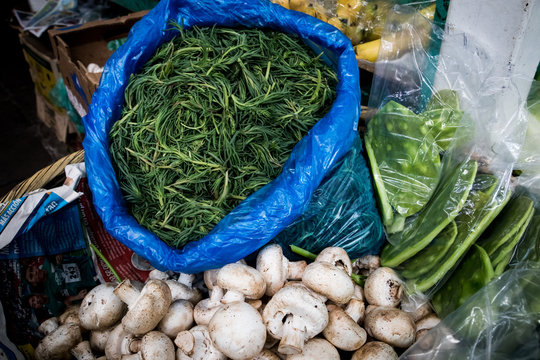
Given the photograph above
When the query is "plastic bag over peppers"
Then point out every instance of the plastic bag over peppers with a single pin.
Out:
(441, 168)
(501, 320)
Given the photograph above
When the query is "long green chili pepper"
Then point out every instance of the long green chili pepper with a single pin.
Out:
(210, 119)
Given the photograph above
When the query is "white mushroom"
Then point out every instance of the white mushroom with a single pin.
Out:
(375, 350)
(181, 291)
(366, 264)
(57, 344)
(178, 318)
(383, 288)
(101, 308)
(70, 315)
(416, 308)
(316, 349)
(156, 274)
(196, 344)
(266, 355)
(146, 308)
(390, 325)
(329, 280)
(48, 326)
(342, 331)
(355, 308)
(119, 343)
(336, 256)
(153, 346)
(425, 324)
(237, 330)
(98, 339)
(241, 282)
(83, 351)
(206, 308)
(294, 315)
(277, 269)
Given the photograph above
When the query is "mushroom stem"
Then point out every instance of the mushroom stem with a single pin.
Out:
(186, 279)
(232, 296)
(296, 270)
(126, 292)
(355, 309)
(292, 341)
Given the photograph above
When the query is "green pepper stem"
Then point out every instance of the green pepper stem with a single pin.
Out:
(299, 251)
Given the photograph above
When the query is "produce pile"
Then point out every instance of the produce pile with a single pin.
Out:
(211, 118)
(363, 22)
(444, 214)
(275, 309)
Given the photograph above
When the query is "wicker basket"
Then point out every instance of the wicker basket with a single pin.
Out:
(43, 177)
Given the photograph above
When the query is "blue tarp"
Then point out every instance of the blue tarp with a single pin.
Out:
(260, 217)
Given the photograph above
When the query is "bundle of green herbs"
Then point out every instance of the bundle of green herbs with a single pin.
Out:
(210, 119)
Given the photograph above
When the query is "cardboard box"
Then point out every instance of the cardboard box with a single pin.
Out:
(43, 67)
(77, 47)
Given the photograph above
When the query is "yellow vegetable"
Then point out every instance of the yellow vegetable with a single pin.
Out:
(368, 51)
(349, 10)
(336, 22)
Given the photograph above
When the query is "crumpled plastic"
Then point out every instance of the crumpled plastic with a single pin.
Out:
(268, 211)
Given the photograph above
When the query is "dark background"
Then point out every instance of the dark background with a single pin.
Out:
(26, 144)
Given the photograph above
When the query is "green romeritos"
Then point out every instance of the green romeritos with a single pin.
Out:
(210, 119)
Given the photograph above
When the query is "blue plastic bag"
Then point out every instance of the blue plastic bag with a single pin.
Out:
(261, 216)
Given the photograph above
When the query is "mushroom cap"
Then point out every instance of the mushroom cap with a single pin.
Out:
(343, 332)
(210, 278)
(199, 345)
(101, 308)
(317, 349)
(82, 351)
(336, 256)
(328, 280)
(237, 330)
(390, 325)
(273, 267)
(204, 310)
(266, 355)
(48, 326)
(98, 339)
(427, 322)
(182, 291)
(299, 302)
(156, 345)
(383, 287)
(71, 314)
(57, 344)
(178, 318)
(375, 350)
(149, 308)
(118, 343)
(243, 279)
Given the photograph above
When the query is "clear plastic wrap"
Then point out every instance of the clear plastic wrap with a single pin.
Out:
(340, 213)
(501, 320)
(441, 168)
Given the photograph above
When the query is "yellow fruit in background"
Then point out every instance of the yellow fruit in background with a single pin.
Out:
(355, 33)
(349, 10)
(284, 3)
(298, 5)
(428, 12)
(320, 12)
(368, 51)
(336, 22)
